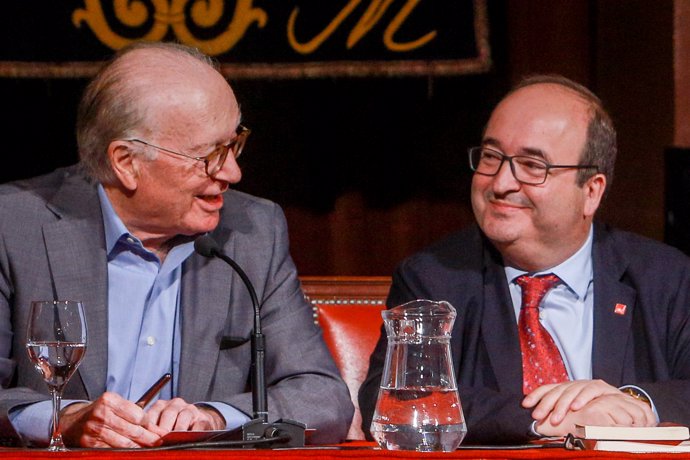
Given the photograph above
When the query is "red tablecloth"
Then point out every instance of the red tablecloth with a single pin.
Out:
(353, 450)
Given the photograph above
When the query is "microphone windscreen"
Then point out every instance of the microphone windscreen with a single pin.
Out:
(206, 246)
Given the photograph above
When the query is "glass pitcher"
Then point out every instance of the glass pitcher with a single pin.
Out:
(418, 406)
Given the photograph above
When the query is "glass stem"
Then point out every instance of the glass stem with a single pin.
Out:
(56, 437)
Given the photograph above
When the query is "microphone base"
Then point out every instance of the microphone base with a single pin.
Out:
(258, 430)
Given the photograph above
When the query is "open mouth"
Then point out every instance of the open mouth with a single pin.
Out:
(214, 200)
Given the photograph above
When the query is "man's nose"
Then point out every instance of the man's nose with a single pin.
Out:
(504, 180)
(230, 172)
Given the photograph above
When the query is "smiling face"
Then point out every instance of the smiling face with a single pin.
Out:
(191, 109)
(537, 226)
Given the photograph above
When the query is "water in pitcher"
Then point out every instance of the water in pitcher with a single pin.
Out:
(424, 419)
(418, 406)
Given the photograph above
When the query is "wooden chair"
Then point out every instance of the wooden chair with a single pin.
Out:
(348, 309)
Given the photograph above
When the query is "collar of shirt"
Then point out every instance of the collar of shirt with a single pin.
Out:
(118, 238)
(143, 305)
(567, 311)
(576, 272)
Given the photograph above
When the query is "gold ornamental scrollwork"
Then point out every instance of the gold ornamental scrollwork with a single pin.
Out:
(169, 15)
(315, 45)
(369, 19)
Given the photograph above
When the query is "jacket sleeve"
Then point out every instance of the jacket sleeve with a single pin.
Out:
(303, 381)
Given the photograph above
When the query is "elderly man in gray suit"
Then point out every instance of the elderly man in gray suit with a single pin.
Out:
(159, 134)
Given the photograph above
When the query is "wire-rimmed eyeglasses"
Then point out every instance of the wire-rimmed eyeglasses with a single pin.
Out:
(526, 170)
(215, 160)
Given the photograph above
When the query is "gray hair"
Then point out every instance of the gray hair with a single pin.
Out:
(108, 109)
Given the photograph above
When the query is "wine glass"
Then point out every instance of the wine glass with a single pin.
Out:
(56, 343)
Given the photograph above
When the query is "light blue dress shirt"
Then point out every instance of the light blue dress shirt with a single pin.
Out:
(143, 325)
(143, 305)
(567, 310)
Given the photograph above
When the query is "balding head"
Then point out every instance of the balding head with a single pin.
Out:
(132, 90)
(600, 147)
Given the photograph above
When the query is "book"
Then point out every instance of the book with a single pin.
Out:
(181, 437)
(662, 438)
(666, 432)
(638, 446)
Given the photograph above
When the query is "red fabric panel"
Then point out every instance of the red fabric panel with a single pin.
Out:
(351, 333)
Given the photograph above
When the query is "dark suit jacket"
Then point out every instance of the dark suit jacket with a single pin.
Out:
(648, 346)
(51, 228)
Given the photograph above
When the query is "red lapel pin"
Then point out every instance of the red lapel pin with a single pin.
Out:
(619, 309)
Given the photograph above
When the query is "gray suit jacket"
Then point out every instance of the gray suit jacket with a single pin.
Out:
(51, 228)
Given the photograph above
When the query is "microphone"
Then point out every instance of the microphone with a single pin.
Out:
(258, 428)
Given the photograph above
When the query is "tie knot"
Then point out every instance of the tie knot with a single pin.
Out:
(534, 288)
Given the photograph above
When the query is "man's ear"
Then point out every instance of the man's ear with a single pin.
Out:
(594, 192)
(124, 163)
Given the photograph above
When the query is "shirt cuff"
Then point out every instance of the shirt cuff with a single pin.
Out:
(532, 432)
(234, 418)
(34, 421)
(646, 395)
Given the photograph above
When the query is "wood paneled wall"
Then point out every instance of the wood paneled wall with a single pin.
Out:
(681, 61)
(622, 49)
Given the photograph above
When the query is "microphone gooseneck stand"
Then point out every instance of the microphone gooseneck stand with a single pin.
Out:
(256, 432)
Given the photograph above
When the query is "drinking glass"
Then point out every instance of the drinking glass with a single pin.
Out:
(56, 343)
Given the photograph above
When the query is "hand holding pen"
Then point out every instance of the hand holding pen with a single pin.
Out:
(153, 391)
(91, 424)
(196, 418)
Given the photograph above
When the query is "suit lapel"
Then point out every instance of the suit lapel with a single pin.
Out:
(612, 326)
(206, 290)
(75, 246)
(499, 328)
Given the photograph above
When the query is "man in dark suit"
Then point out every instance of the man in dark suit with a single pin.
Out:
(617, 312)
(159, 134)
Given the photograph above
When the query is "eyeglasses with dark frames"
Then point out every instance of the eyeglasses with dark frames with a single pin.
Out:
(215, 160)
(526, 169)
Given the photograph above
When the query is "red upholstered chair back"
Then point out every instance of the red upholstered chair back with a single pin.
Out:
(348, 309)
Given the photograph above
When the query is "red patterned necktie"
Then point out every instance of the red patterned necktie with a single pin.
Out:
(541, 361)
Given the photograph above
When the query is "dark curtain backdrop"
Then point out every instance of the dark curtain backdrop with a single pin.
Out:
(370, 170)
(383, 142)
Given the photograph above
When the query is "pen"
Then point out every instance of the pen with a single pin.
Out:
(153, 391)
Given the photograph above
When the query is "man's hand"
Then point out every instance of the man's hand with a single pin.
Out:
(176, 414)
(109, 421)
(559, 407)
(607, 410)
(560, 398)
